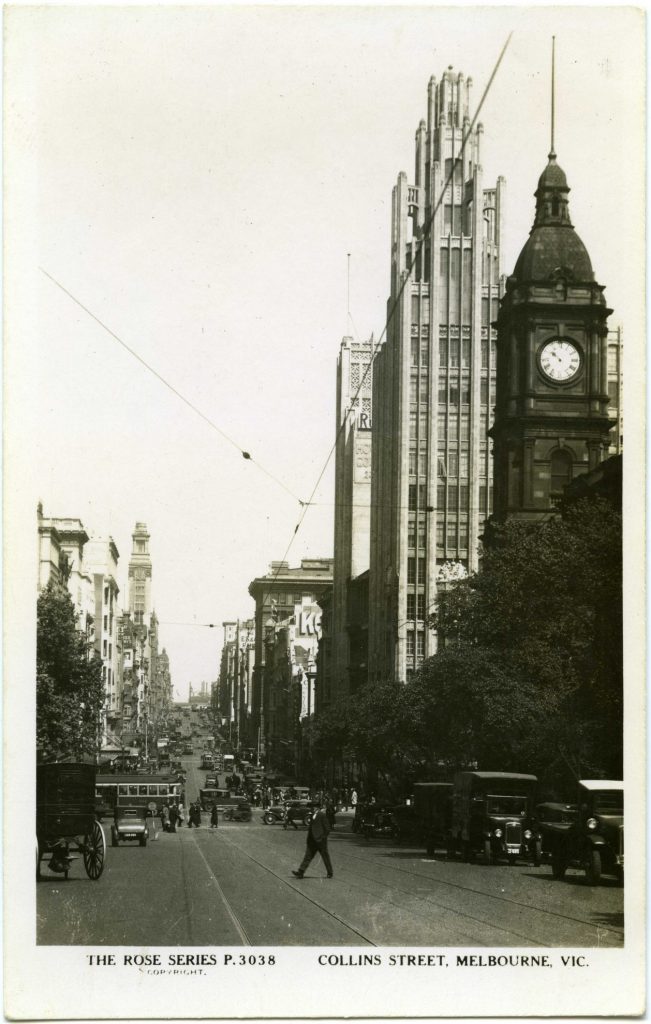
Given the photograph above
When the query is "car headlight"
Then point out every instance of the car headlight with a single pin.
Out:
(498, 833)
(528, 833)
(592, 823)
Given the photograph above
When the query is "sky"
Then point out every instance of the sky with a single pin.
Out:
(195, 177)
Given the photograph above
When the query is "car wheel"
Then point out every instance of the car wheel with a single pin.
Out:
(114, 837)
(488, 855)
(512, 858)
(268, 819)
(143, 840)
(593, 867)
(559, 866)
(537, 853)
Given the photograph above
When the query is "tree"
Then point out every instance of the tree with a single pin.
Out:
(69, 686)
(529, 674)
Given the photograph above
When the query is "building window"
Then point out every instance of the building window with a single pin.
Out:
(421, 570)
(424, 390)
(440, 533)
(412, 497)
(453, 428)
(106, 622)
(104, 648)
(422, 495)
(463, 534)
(465, 391)
(412, 462)
(465, 428)
(413, 391)
(422, 534)
(443, 352)
(561, 472)
(463, 464)
(106, 595)
(465, 352)
(411, 570)
(411, 534)
(443, 392)
(452, 535)
(411, 606)
(424, 352)
(414, 351)
(422, 463)
(423, 424)
(612, 392)
(420, 645)
(483, 391)
(612, 359)
(484, 353)
(453, 464)
(440, 497)
(454, 351)
(421, 607)
(463, 495)
(454, 393)
(410, 644)
(413, 424)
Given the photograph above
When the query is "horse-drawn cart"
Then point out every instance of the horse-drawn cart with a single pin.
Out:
(66, 819)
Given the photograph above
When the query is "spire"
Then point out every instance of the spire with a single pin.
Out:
(552, 152)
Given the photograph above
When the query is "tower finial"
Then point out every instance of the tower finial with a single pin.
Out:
(552, 152)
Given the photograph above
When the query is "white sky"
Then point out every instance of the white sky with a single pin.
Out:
(195, 177)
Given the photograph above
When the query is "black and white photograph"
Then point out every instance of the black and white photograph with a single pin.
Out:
(324, 589)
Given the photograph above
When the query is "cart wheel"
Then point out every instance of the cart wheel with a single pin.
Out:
(94, 851)
(592, 866)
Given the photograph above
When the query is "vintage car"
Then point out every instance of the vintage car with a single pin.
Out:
(493, 815)
(288, 812)
(129, 823)
(240, 810)
(594, 841)
(558, 815)
(433, 814)
(212, 780)
(375, 821)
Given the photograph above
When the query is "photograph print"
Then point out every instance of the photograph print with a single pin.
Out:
(325, 336)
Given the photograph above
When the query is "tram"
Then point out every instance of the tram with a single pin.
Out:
(147, 791)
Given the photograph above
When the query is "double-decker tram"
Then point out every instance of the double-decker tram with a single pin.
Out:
(147, 791)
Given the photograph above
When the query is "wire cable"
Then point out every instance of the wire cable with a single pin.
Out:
(211, 423)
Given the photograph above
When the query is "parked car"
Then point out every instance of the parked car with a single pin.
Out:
(595, 839)
(433, 814)
(375, 821)
(492, 815)
(555, 814)
(288, 812)
(129, 823)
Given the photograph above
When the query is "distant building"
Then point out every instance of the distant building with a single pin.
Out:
(275, 596)
(352, 530)
(61, 544)
(102, 558)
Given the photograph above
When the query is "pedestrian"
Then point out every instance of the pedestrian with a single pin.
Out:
(353, 799)
(346, 799)
(197, 814)
(165, 817)
(181, 813)
(191, 815)
(174, 817)
(214, 816)
(317, 841)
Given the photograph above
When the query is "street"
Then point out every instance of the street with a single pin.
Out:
(234, 886)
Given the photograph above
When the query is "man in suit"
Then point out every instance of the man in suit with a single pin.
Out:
(317, 840)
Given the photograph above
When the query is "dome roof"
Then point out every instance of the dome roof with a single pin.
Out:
(553, 176)
(553, 248)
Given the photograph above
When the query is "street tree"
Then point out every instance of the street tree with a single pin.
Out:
(69, 686)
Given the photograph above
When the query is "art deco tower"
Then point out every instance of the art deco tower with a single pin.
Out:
(433, 383)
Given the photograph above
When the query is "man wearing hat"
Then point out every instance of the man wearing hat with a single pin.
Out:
(317, 840)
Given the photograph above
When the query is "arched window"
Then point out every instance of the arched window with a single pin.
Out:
(561, 473)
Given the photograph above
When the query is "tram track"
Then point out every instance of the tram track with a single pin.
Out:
(297, 889)
(492, 896)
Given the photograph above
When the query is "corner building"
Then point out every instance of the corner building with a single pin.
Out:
(433, 382)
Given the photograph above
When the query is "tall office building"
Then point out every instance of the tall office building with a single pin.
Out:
(352, 520)
(433, 382)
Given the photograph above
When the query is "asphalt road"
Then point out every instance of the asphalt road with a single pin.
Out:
(233, 886)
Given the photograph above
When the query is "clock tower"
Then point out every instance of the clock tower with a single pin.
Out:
(551, 415)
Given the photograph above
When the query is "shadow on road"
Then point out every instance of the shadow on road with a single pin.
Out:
(610, 920)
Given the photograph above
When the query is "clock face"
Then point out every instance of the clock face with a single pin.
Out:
(559, 359)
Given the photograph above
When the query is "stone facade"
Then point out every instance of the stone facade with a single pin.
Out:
(434, 381)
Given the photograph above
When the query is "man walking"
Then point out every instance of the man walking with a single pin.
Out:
(317, 840)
